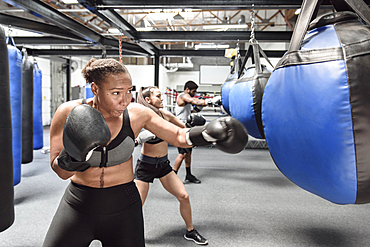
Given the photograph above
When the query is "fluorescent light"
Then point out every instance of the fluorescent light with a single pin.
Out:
(297, 12)
(225, 26)
(144, 29)
(70, 1)
(113, 31)
(210, 46)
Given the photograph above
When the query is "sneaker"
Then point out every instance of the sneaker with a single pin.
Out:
(196, 237)
(192, 179)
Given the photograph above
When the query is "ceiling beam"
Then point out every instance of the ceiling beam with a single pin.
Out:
(210, 53)
(201, 4)
(29, 25)
(116, 20)
(47, 40)
(52, 15)
(163, 53)
(79, 52)
(193, 36)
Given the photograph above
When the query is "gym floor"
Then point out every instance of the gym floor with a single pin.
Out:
(243, 200)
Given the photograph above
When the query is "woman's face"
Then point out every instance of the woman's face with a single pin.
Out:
(155, 98)
(114, 95)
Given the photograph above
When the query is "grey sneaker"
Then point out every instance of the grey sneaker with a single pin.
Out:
(196, 237)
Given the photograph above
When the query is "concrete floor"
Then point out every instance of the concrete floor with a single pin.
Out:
(243, 200)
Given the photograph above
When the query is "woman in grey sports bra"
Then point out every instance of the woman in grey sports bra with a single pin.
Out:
(102, 201)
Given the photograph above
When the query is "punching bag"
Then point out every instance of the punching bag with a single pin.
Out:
(225, 90)
(6, 161)
(15, 80)
(89, 93)
(38, 135)
(316, 105)
(27, 109)
(245, 97)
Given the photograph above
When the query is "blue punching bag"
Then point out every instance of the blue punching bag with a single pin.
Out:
(89, 93)
(15, 79)
(27, 110)
(38, 137)
(225, 90)
(6, 160)
(316, 106)
(245, 97)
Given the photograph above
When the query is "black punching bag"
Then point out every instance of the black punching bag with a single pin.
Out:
(6, 154)
(27, 109)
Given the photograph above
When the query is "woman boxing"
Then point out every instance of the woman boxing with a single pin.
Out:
(91, 143)
(153, 163)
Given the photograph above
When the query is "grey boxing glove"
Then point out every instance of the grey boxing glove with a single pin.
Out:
(227, 133)
(215, 101)
(195, 119)
(144, 136)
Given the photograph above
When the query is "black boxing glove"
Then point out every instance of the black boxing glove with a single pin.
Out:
(227, 133)
(66, 162)
(198, 108)
(195, 119)
(85, 129)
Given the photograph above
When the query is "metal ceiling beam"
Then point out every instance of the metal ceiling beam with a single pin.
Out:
(52, 15)
(202, 4)
(29, 25)
(78, 52)
(210, 53)
(115, 20)
(193, 36)
(44, 40)
(163, 53)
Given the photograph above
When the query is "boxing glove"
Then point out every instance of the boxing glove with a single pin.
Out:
(66, 162)
(198, 108)
(195, 119)
(227, 133)
(144, 136)
(215, 101)
(84, 129)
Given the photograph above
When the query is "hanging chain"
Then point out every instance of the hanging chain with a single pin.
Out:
(253, 24)
(120, 48)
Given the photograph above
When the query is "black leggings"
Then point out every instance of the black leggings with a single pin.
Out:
(111, 215)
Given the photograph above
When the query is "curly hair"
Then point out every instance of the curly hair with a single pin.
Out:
(146, 92)
(97, 70)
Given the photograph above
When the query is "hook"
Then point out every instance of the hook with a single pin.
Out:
(10, 30)
(104, 52)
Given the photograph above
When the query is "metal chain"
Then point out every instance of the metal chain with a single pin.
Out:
(253, 24)
(120, 48)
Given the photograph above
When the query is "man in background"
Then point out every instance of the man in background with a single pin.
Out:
(183, 109)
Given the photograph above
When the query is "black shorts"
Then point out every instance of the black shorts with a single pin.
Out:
(148, 168)
(184, 150)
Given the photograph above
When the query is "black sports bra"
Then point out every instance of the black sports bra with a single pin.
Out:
(119, 150)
